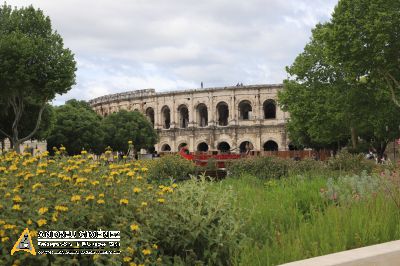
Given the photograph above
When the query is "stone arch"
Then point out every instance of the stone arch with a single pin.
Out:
(269, 107)
(222, 113)
(165, 147)
(166, 117)
(224, 146)
(202, 115)
(270, 145)
(245, 110)
(246, 147)
(183, 116)
(150, 114)
(202, 146)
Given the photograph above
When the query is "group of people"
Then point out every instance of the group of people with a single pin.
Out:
(371, 155)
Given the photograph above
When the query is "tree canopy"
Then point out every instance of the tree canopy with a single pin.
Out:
(364, 41)
(76, 127)
(327, 109)
(34, 66)
(125, 126)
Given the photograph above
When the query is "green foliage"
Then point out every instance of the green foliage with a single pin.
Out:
(306, 165)
(332, 90)
(200, 225)
(352, 163)
(170, 167)
(124, 126)
(288, 219)
(347, 189)
(77, 127)
(262, 167)
(27, 124)
(364, 41)
(34, 65)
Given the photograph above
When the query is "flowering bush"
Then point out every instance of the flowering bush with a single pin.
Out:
(79, 193)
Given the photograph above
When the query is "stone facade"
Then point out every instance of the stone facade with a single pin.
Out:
(230, 118)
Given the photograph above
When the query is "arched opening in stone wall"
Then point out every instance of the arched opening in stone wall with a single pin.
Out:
(224, 147)
(180, 146)
(269, 109)
(245, 110)
(183, 116)
(222, 113)
(165, 147)
(166, 116)
(150, 115)
(246, 147)
(270, 145)
(202, 146)
(202, 115)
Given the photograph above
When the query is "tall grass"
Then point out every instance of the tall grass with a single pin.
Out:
(289, 220)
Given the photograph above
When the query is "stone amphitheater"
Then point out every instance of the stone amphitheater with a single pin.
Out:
(229, 119)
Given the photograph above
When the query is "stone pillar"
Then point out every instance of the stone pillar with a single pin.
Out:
(211, 109)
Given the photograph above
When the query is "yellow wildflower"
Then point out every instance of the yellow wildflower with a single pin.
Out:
(127, 259)
(43, 210)
(90, 197)
(123, 201)
(100, 201)
(61, 208)
(4, 239)
(144, 204)
(9, 226)
(33, 233)
(132, 264)
(75, 198)
(134, 227)
(146, 251)
(17, 199)
(41, 222)
(137, 190)
(161, 200)
(101, 195)
(174, 185)
(16, 207)
(155, 246)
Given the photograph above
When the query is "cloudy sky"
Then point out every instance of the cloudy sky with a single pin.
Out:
(126, 45)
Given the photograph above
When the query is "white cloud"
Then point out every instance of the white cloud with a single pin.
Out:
(175, 44)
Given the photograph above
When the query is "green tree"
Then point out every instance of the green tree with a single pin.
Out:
(364, 41)
(26, 123)
(76, 127)
(123, 126)
(34, 67)
(326, 109)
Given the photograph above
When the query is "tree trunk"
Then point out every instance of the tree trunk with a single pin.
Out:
(18, 106)
(354, 138)
(17, 145)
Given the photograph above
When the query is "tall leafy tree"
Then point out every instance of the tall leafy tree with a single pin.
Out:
(326, 108)
(34, 67)
(364, 41)
(76, 127)
(124, 126)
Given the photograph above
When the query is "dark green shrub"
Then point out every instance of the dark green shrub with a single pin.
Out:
(170, 166)
(200, 225)
(351, 163)
(262, 167)
(306, 165)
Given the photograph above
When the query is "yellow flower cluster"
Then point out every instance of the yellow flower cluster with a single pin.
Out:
(52, 191)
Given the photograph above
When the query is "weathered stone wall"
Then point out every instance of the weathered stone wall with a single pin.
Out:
(198, 116)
